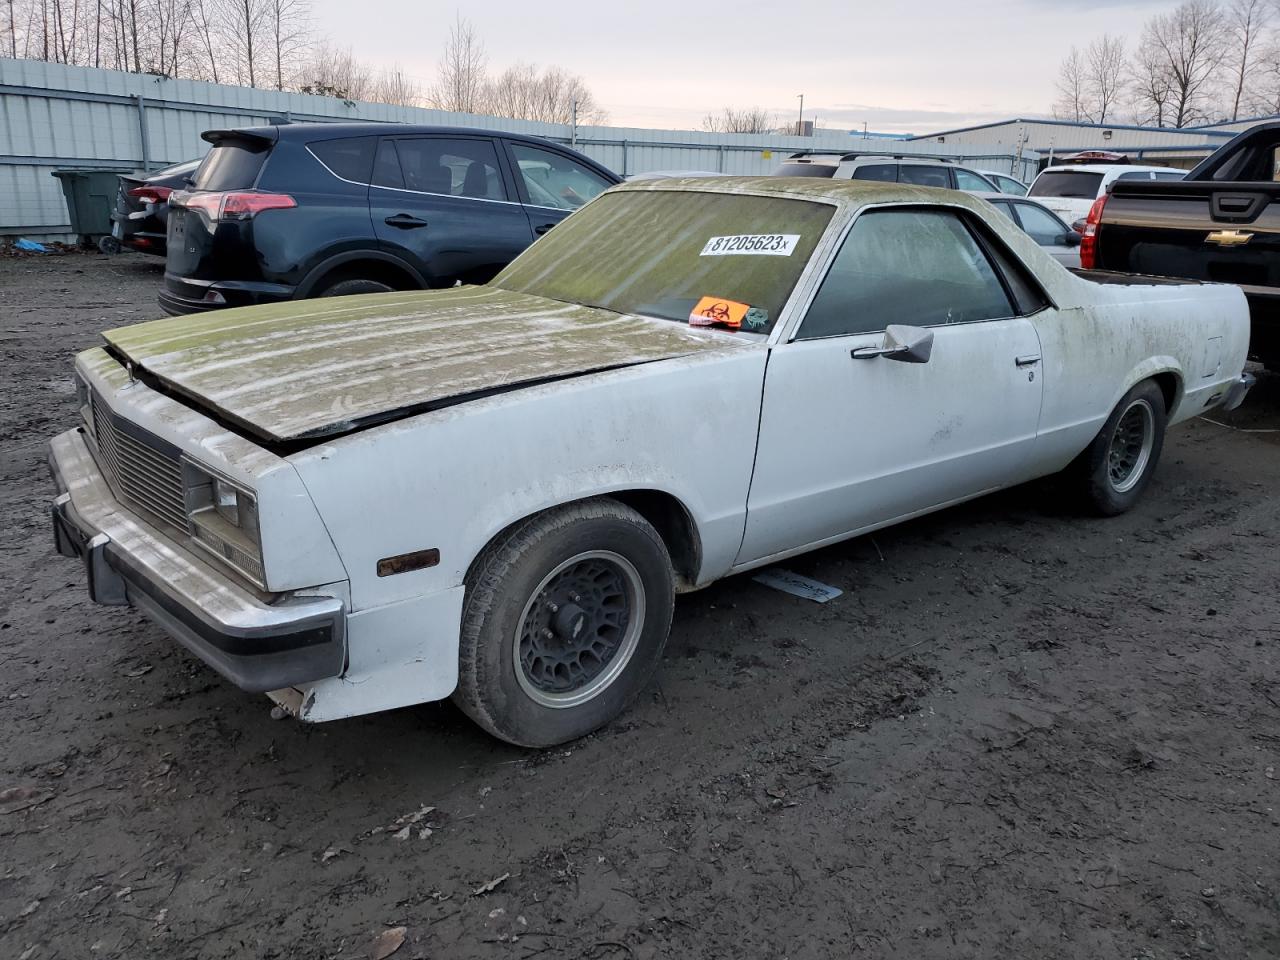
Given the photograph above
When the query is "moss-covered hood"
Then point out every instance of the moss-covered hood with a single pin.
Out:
(315, 368)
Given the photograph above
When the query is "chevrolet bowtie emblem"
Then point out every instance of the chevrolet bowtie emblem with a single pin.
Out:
(1229, 238)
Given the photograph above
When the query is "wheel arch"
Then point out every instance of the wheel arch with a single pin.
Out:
(1168, 376)
(663, 510)
(373, 264)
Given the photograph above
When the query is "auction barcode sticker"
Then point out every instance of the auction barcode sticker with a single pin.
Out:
(752, 244)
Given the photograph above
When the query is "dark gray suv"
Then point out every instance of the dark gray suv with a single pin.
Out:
(304, 210)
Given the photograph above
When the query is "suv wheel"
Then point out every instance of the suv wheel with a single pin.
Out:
(348, 288)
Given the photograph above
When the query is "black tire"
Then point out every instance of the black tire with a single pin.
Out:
(531, 698)
(109, 245)
(349, 288)
(1117, 466)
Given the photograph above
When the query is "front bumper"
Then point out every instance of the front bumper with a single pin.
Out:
(259, 645)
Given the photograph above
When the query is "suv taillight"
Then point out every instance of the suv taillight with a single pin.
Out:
(237, 205)
(149, 194)
(1089, 238)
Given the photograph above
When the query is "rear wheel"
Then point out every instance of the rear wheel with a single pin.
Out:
(565, 619)
(347, 288)
(1117, 467)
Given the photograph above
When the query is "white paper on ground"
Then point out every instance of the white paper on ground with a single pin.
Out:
(796, 585)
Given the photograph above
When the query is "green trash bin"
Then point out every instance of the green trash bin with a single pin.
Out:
(91, 196)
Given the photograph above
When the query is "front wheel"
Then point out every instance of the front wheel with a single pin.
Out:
(1117, 467)
(566, 617)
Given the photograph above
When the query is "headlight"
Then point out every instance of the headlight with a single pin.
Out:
(224, 520)
(83, 402)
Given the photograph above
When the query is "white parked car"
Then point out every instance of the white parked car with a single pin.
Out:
(1041, 225)
(923, 172)
(1006, 184)
(494, 493)
(1070, 190)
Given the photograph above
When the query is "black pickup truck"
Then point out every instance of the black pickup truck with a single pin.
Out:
(1221, 223)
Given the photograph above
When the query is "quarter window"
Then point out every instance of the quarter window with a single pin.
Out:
(455, 168)
(924, 175)
(554, 180)
(971, 181)
(912, 266)
(348, 158)
(877, 171)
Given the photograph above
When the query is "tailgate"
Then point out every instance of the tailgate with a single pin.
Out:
(1200, 230)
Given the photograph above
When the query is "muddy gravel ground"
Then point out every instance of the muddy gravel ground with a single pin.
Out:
(1019, 733)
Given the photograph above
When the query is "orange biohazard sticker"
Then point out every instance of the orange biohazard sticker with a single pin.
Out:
(713, 310)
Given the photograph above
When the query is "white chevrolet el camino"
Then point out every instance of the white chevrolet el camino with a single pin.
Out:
(494, 493)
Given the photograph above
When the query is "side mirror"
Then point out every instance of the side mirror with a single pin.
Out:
(908, 344)
(1071, 239)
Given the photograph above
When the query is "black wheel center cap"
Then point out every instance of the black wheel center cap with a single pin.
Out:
(569, 622)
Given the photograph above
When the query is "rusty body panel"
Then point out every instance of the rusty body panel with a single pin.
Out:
(319, 367)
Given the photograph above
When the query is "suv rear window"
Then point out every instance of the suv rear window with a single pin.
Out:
(351, 158)
(231, 165)
(1067, 183)
(805, 170)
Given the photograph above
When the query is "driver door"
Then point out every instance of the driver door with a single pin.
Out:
(850, 443)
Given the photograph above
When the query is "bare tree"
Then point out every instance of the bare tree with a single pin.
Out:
(745, 120)
(1187, 45)
(396, 87)
(336, 73)
(287, 26)
(1104, 81)
(244, 26)
(1262, 92)
(206, 29)
(1071, 88)
(460, 86)
(526, 92)
(1151, 84)
(1246, 24)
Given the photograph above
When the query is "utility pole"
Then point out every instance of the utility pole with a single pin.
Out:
(800, 122)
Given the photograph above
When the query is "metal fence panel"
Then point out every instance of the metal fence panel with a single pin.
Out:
(54, 116)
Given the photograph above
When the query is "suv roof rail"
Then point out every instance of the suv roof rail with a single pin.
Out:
(896, 156)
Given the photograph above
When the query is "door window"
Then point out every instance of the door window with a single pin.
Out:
(1004, 208)
(923, 175)
(971, 181)
(554, 180)
(877, 171)
(1042, 226)
(912, 266)
(455, 168)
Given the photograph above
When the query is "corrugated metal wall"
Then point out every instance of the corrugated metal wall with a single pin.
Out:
(54, 116)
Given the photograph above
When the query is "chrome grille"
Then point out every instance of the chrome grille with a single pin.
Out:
(144, 474)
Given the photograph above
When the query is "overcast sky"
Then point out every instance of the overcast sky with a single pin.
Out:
(900, 66)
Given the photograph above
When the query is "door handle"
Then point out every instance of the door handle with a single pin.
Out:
(1028, 360)
(542, 228)
(405, 221)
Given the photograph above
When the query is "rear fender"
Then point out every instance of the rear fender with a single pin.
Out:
(1155, 367)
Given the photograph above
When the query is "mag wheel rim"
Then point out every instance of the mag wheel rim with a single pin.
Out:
(579, 629)
(1131, 445)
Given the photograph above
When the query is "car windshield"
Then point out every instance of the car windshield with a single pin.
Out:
(724, 258)
(1079, 185)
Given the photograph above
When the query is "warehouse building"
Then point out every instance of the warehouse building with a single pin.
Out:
(1052, 139)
